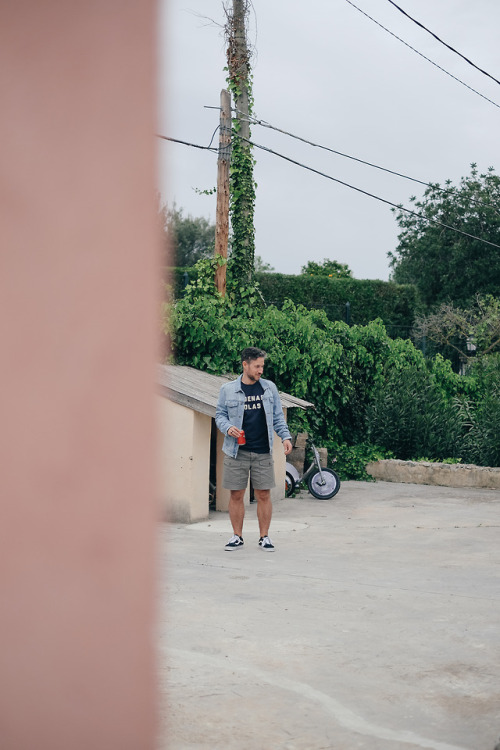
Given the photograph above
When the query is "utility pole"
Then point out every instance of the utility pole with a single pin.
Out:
(222, 209)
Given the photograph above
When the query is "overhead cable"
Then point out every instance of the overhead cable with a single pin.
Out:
(399, 207)
(449, 191)
(370, 195)
(213, 135)
(445, 44)
(422, 55)
(185, 143)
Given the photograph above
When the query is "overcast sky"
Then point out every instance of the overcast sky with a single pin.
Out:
(325, 72)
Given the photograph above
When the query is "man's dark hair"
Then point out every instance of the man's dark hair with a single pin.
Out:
(251, 353)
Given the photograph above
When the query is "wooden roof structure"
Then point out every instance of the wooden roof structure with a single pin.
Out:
(199, 390)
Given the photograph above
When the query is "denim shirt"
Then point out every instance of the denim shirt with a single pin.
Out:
(231, 407)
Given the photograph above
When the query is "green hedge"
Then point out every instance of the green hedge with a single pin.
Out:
(395, 304)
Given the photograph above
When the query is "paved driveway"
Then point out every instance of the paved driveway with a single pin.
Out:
(374, 625)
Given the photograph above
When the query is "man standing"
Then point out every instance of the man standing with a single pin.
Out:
(250, 406)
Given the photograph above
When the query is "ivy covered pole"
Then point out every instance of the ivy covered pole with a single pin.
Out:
(222, 209)
(242, 185)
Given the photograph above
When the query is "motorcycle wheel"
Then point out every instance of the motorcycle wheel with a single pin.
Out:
(289, 484)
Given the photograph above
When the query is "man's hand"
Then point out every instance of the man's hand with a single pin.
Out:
(287, 445)
(234, 432)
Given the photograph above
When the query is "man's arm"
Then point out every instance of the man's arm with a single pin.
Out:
(221, 414)
(279, 423)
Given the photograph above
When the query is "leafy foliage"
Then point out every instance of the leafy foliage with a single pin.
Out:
(207, 330)
(373, 396)
(330, 268)
(444, 265)
(241, 182)
(241, 208)
(480, 413)
(325, 362)
(349, 461)
(482, 442)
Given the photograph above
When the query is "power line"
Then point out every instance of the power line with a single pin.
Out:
(213, 135)
(185, 143)
(445, 44)
(370, 195)
(341, 182)
(422, 55)
(447, 191)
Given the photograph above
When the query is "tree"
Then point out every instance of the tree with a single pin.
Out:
(472, 332)
(327, 268)
(189, 238)
(261, 266)
(444, 265)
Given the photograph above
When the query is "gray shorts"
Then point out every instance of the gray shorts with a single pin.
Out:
(260, 467)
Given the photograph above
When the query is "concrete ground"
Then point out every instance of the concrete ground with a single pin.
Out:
(375, 624)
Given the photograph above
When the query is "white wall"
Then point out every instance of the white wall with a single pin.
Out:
(184, 462)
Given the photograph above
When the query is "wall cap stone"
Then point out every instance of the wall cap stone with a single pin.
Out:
(426, 472)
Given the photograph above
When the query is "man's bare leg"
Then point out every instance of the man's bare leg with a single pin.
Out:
(237, 510)
(264, 510)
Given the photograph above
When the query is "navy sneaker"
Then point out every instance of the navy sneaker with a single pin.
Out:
(266, 543)
(235, 542)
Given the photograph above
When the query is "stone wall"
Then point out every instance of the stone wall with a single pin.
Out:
(446, 475)
(298, 455)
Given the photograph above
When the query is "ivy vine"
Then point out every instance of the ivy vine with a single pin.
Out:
(241, 182)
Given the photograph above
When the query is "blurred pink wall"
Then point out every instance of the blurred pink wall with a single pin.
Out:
(78, 288)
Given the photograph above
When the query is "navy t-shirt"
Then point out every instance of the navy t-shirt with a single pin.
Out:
(254, 420)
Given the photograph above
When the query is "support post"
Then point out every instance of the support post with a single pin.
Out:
(222, 210)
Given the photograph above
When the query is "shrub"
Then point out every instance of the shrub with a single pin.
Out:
(410, 417)
(481, 413)
(349, 461)
(482, 442)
